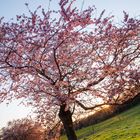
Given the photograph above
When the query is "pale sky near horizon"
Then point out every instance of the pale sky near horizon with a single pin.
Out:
(11, 8)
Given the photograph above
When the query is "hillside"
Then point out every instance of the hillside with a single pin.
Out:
(125, 126)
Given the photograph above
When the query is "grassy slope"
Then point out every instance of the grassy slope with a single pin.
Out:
(125, 126)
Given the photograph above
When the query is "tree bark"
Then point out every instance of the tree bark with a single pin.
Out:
(66, 118)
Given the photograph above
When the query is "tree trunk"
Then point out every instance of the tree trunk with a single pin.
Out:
(66, 118)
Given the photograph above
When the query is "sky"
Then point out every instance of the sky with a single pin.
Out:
(10, 8)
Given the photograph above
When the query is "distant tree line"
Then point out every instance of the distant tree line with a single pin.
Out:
(107, 113)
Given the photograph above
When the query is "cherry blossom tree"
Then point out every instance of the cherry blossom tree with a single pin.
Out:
(58, 64)
(23, 129)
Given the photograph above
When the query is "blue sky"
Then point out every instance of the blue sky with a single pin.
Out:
(10, 8)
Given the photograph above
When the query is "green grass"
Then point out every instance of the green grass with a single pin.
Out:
(125, 126)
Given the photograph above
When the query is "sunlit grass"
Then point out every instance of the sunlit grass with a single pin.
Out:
(125, 126)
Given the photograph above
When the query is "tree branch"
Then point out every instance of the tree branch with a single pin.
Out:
(42, 72)
(96, 82)
(89, 85)
(107, 103)
(55, 59)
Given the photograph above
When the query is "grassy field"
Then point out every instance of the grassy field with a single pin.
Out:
(125, 126)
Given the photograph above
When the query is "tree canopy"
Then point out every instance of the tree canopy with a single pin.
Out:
(24, 129)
